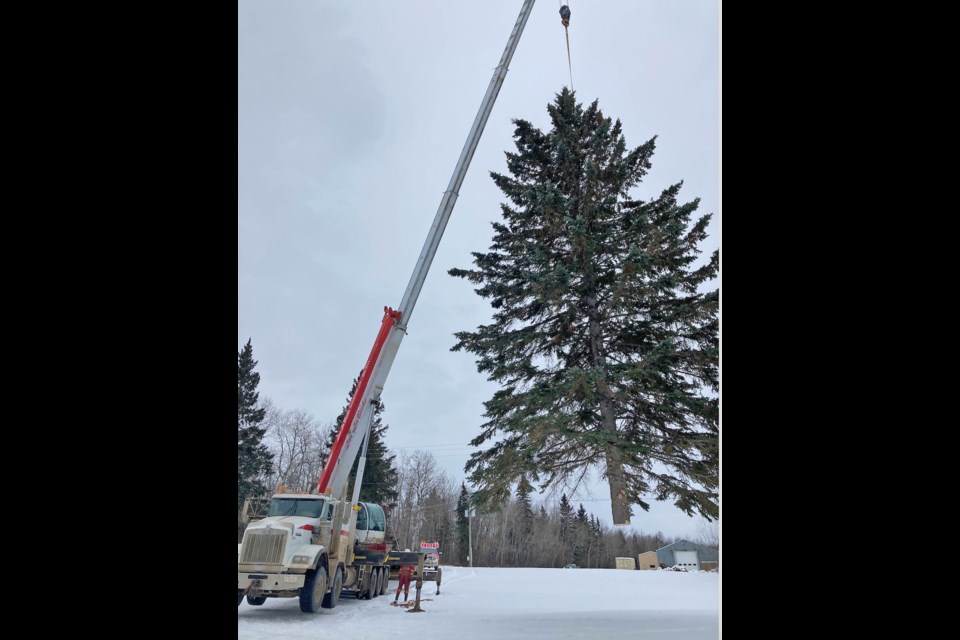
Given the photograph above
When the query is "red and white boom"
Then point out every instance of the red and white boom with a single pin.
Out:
(356, 424)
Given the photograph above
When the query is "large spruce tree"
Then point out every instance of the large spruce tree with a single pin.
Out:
(379, 474)
(254, 460)
(604, 336)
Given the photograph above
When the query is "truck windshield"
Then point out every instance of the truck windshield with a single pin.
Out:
(295, 507)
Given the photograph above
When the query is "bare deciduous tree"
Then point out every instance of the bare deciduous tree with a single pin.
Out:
(296, 439)
(708, 533)
(426, 502)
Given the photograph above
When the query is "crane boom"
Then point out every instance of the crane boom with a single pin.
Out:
(356, 423)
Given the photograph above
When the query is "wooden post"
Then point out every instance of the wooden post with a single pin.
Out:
(416, 606)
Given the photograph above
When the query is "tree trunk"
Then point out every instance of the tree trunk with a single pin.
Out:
(618, 486)
(615, 477)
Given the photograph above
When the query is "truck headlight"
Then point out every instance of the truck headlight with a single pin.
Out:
(300, 560)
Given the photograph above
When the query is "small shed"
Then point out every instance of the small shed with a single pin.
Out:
(647, 561)
(687, 555)
(626, 563)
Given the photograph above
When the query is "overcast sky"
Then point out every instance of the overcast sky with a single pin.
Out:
(351, 117)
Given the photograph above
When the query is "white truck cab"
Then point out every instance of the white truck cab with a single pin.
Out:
(305, 546)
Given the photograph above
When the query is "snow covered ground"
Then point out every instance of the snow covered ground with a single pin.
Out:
(494, 603)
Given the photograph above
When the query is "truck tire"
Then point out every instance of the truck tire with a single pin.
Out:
(256, 601)
(375, 583)
(314, 591)
(239, 597)
(331, 599)
(384, 579)
(368, 589)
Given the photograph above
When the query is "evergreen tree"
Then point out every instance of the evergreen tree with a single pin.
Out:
(524, 526)
(582, 515)
(581, 537)
(565, 513)
(334, 429)
(621, 548)
(605, 345)
(523, 500)
(463, 526)
(596, 535)
(254, 460)
(379, 474)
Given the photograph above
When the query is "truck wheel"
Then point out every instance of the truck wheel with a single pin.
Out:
(368, 590)
(331, 599)
(375, 583)
(384, 579)
(313, 592)
(239, 597)
(366, 595)
(256, 601)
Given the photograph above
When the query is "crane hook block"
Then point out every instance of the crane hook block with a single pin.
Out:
(565, 15)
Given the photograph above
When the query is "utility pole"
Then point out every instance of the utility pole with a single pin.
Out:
(469, 514)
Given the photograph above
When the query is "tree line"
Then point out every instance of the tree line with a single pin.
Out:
(289, 447)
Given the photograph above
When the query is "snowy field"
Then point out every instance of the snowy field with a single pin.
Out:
(494, 603)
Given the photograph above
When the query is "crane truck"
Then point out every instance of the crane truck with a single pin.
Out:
(317, 545)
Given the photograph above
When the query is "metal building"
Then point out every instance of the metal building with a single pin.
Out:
(688, 555)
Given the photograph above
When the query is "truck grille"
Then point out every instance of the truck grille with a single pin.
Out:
(264, 546)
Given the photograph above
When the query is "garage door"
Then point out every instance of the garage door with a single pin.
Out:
(688, 560)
